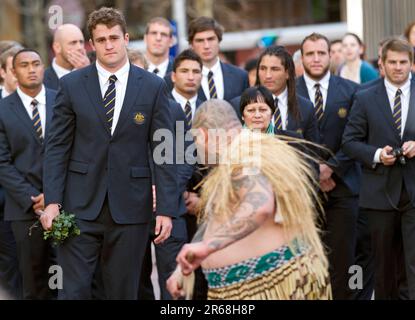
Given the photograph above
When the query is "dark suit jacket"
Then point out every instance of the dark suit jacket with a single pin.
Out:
(86, 164)
(21, 156)
(185, 171)
(50, 79)
(1, 190)
(235, 81)
(169, 66)
(339, 102)
(370, 127)
(305, 127)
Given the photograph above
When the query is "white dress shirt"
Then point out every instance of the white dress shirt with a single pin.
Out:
(4, 93)
(120, 88)
(217, 78)
(405, 96)
(41, 106)
(324, 87)
(182, 101)
(60, 71)
(162, 67)
(283, 106)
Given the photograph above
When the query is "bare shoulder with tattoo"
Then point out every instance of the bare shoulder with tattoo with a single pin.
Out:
(254, 206)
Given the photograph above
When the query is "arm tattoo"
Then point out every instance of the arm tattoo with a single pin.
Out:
(254, 192)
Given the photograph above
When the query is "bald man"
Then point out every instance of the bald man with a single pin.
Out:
(70, 54)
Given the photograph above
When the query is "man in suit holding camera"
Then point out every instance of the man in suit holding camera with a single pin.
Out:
(382, 122)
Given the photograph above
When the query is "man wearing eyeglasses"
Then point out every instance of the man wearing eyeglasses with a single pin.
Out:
(158, 39)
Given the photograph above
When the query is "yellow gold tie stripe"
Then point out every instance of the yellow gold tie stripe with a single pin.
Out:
(188, 113)
(212, 88)
(397, 111)
(277, 116)
(109, 100)
(318, 103)
(37, 125)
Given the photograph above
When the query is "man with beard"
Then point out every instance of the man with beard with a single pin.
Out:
(70, 54)
(339, 175)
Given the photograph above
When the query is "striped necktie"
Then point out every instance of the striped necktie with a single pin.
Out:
(109, 100)
(397, 111)
(37, 124)
(188, 112)
(318, 103)
(212, 89)
(277, 115)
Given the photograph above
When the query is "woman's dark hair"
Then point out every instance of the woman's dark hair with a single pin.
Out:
(288, 63)
(256, 94)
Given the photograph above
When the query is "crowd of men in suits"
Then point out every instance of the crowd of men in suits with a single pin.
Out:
(80, 135)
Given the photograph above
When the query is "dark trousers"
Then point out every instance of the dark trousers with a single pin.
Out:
(166, 254)
(339, 237)
(392, 240)
(35, 258)
(118, 248)
(364, 258)
(9, 266)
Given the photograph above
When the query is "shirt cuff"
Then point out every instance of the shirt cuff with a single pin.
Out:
(376, 158)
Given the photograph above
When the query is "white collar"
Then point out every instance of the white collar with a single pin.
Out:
(404, 88)
(182, 100)
(324, 82)
(215, 68)
(60, 71)
(121, 74)
(161, 66)
(27, 100)
(283, 96)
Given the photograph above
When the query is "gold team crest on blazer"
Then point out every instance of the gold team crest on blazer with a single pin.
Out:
(139, 118)
(300, 131)
(342, 113)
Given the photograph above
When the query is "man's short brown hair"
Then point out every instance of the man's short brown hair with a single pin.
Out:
(162, 21)
(397, 45)
(109, 17)
(204, 24)
(7, 54)
(315, 37)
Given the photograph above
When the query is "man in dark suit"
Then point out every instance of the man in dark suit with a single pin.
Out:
(9, 270)
(70, 54)
(276, 71)
(24, 123)
(383, 119)
(159, 39)
(219, 80)
(97, 164)
(186, 76)
(339, 178)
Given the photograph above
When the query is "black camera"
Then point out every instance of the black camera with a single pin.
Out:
(398, 154)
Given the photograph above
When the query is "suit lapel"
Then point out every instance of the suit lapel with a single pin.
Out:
(382, 102)
(227, 79)
(50, 101)
(201, 94)
(198, 102)
(291, 124)
(20, 110)
(302, 89)
(94, 92)
(409, 131)
(329, 101)
(134, 87)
